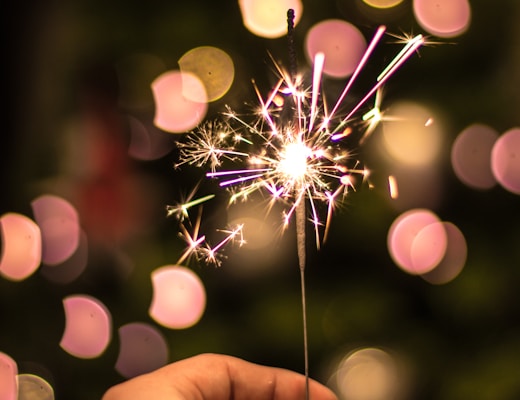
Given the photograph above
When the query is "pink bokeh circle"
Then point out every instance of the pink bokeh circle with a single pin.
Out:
(416, 241)
(8, 378)
(60, 226)
(428, 248)
(88, 326)
(21, 248)
(505, 160)
(443, 18)
(179, 297)
(342, 44)
(454, 258)
(267, 18)
(471, 156)
(180, 101)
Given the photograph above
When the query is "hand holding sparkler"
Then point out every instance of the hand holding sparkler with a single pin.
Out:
(217, 377)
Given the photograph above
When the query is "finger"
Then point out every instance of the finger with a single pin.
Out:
(218, 377)
(262, 382)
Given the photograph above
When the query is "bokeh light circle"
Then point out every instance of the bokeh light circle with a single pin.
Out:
(382, 3)
(428, 247)
(415, 252)
(368, 374)
(70, 269)
(33, 387)
(263, 249)
(408, 135)
(471, 156)
(8, 373)
(454, 258)
(146, 141)
(268, 18)
(21, 248)
(443, 18)
(505, 160)
(258, 233)
(59, 223)
(142, 349)
(213, 66)
(175, 109)
(88, 326)
(342, 44)
(179, 297)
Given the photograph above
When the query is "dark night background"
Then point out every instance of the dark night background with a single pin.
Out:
(462, 339)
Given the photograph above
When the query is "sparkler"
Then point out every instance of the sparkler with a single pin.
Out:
(293, 150)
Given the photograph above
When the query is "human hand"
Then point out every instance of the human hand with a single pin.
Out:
(218, 377)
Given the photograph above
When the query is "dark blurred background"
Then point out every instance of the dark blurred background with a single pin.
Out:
(60, 63)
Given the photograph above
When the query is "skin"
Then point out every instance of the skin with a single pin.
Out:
(218, 377)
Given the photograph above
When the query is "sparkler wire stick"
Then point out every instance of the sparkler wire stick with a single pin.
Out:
(300, 211)
(300, 240)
